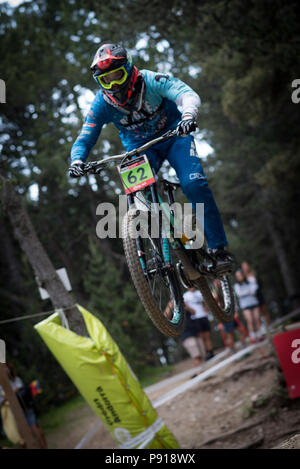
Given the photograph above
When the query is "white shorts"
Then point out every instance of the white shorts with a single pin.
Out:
(194, 346)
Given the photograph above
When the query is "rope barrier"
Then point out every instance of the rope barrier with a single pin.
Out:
(29, 316)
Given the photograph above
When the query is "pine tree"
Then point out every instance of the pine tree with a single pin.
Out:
(115, 302)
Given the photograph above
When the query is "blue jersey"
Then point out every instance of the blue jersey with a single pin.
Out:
(159, 113)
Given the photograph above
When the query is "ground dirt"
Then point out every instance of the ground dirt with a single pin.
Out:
(243, 405)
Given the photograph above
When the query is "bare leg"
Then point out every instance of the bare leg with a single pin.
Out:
(256, 319)
(207, 340)
(201, 346)
(193, 347)
(242, 336)
(264, 312)
(198, 361)
(230, 340)
(249, 320)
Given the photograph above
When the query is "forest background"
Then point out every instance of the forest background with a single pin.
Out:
(241, 57)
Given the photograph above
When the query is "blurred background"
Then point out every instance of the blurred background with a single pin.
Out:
(241, 57)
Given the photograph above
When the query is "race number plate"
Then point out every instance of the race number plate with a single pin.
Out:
(136, 174)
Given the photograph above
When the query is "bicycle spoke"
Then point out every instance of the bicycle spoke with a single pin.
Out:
(160, 297)
(160, 282)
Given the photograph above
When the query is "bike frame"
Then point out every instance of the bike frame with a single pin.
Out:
(192, 264)
(156, 199)
(187, 258)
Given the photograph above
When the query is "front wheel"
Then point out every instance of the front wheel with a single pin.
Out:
(157, 287)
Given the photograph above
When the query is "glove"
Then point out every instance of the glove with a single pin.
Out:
(185, 126)
(77, 169)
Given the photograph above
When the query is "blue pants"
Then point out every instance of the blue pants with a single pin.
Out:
(182, 156)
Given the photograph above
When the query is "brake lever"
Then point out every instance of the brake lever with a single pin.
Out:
(92, 168)
(97, 170)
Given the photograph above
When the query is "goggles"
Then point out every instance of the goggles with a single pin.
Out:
(107, 81)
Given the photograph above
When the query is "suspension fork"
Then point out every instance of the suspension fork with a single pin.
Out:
(165, 251)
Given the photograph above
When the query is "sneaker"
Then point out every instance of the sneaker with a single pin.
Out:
(259, 335)
(224, 260)
(252, 337)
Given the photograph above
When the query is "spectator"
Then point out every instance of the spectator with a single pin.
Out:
(9, 424)
(230, 328)
(249, 272)
(26, 401)
(193, 299)
(227, 329)
(245, 290)
(191, 341)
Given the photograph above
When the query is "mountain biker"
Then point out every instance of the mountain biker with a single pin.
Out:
(143, 105)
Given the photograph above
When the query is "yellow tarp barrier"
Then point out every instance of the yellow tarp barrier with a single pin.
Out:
(103, 377)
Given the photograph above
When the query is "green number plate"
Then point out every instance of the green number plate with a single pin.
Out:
(136, 174)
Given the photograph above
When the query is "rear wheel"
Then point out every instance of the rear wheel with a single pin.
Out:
(219, 299)
(158, 287)
(217, 293)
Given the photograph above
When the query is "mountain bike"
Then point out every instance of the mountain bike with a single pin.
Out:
(162, 265)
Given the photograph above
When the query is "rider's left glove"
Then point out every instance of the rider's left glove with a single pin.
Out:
(77, 169)
(185, 126)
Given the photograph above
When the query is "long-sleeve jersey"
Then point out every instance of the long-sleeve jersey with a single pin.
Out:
(159, 113)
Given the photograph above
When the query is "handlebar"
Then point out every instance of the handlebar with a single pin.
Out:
(96, 165)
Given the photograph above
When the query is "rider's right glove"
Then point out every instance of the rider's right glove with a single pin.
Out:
(185, 126)
(77, 169)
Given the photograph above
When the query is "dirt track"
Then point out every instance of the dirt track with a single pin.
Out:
(241, 406)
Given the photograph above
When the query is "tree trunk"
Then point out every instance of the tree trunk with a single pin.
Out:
(104, 244)
(8, 256)
(43, 268)
(22, 425)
